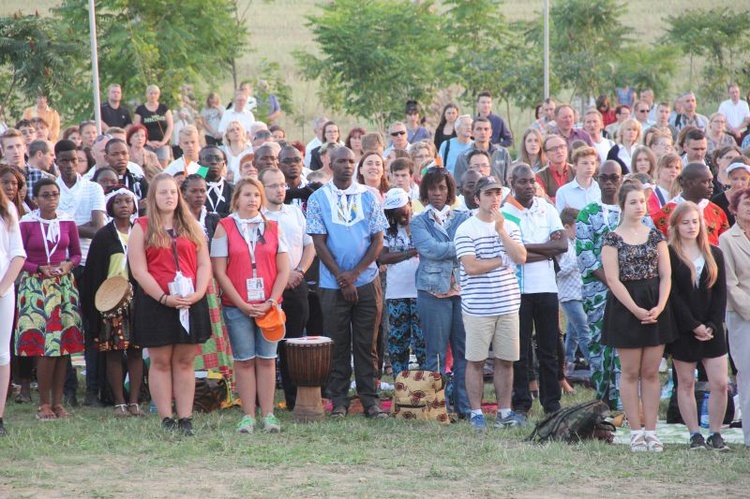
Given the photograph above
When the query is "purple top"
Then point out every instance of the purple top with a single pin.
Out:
(68, 245)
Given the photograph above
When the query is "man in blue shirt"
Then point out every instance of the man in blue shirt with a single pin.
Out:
(500, 132)
(347, 222)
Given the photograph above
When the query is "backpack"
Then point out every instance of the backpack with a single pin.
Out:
(573, 424)
(419, 395)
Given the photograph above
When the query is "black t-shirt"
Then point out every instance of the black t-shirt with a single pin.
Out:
(119, 117)
(155, 123)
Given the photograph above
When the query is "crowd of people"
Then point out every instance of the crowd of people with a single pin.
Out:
(418, 250)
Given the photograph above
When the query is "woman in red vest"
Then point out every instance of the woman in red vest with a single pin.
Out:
(250, 263)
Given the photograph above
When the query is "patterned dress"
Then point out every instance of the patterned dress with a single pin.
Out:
(593, 222)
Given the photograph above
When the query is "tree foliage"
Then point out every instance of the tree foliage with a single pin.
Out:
(647, 67)
(587, 37)
(719, 36)
(154, 41)
(34, 59)
(375, 55)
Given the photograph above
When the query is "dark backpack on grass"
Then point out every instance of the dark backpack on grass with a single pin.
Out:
(574, 424)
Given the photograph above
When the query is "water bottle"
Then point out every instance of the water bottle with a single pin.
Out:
(704, 411)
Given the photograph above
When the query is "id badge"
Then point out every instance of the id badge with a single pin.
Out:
(255, 290)
(181, 286)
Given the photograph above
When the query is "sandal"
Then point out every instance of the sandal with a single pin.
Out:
(60, 411)
(339, 412)
(134, 409)
(638, 441)
(45, 413)
(653, 443)
(121, 411)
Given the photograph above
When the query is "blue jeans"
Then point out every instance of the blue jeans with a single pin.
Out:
(442, 324)
(577, 332)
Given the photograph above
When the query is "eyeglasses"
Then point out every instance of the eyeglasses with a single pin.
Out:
(213, 158)
(556, 148)
(608, 178)
(396, 134)
(643, 110)
(49, 195)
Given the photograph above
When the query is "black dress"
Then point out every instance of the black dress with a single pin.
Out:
(694, 306)
(639, 274)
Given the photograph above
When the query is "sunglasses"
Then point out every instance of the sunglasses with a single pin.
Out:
(396, 134)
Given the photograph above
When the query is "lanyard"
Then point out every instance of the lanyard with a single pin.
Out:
(46, 245)
(251, 240)
(173, 235)
(124, 246)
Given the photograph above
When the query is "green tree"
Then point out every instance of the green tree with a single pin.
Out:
(33, 60)
(142, 42)
(718, 36)
(374, 56)
(647, 67)
(587, 37)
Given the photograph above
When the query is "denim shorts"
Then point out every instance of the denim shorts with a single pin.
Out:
(245, 336)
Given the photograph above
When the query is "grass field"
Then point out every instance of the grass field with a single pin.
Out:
(95, 455)
(277, 28)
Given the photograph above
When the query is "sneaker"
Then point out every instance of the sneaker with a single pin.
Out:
(271, 424)
(246, 424)
(510, 421)
(169, 424)
(716, 442)
(185, 426)
(478, 423)
(697, 442)
(375, 412)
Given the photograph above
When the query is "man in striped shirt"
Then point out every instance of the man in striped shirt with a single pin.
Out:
(488, 247)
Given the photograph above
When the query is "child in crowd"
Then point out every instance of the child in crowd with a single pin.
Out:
(569, 283)
(401, 292)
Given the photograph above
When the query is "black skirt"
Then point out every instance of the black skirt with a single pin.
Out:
(621, 329)
(156, 325)
(688, 349)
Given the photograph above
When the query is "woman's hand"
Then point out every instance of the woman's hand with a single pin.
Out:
(178, 302)
(65, 268)
(643, 315)
(655, 312)
(258, 310)
(703, 333)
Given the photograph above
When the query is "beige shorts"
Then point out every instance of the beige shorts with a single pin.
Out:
(500, 331)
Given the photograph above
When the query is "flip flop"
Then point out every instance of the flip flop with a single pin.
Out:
(60, 412)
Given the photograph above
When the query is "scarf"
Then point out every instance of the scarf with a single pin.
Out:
(346, 203)
(217, 188)
(440, 216)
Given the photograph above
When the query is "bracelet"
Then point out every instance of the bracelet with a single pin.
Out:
(299, 269)
(272, 302)
(162, 300)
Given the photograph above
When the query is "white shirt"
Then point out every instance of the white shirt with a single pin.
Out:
(734, 113)
(495, 292)
(80, 201)
(574, 195)
(401, 276)
(11, 244)
(178, 166)
(133, 168)
(603, 147)
(245, 117)
(537, 224)
(233, 162)
(293, 225)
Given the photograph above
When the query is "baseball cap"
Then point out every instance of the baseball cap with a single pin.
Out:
(486, 183)
(395, 198)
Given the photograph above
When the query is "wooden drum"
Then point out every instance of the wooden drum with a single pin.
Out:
(309, 362)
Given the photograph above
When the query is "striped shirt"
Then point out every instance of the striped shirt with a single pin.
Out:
(495, 292)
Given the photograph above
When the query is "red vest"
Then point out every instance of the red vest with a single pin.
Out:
(239, 264)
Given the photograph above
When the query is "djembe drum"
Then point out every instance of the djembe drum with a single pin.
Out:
(309, 362)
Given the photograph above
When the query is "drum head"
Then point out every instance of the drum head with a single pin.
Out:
(310, 340)
(111, 293)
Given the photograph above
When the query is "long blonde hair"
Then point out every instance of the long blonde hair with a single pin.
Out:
(680, 212)
(184, 222)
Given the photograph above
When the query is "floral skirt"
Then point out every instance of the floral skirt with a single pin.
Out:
(49, 316)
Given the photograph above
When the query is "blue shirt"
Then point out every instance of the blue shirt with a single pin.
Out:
(349, 221)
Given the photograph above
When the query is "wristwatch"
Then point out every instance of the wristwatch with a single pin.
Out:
(299, 269)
